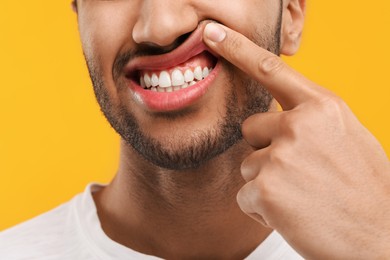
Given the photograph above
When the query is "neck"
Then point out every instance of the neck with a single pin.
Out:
(185, 214)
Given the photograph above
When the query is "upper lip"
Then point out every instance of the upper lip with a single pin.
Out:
(191, 47)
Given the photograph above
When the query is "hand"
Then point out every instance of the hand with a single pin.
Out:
(317, 176)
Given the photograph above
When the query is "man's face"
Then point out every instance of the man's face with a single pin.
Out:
(151, 73)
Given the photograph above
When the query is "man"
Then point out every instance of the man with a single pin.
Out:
(188, 85)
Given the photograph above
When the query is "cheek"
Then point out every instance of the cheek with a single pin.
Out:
(105, 29)
(249, 17)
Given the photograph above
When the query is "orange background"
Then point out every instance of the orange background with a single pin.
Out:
(54, 140)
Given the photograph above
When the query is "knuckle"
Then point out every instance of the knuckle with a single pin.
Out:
(246, 127)
(245, 201)
(332, 107)
(250, 167)
(290, 124)
(249, 198)
(258, 197)
(275, 156)
(241, 202)
(270, 65)
(268, 194)
(331, 101)
(335, 113)
(233, 46)
(266, 184)
(246, 172)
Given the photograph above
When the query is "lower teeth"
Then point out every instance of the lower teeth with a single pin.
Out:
(172, 89)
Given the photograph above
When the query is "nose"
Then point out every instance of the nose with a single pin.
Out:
(161, 22)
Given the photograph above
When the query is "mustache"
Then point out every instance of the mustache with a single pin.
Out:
(143, 49)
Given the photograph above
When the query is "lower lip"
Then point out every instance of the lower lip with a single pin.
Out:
(176, 100)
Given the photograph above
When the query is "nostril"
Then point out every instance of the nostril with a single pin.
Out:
(164, 31)
(182, 38)
(149, 48)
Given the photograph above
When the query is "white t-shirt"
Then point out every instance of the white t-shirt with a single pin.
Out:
(72, 231)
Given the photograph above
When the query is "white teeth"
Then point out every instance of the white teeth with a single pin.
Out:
(177, 78)
(205, 72)
(188, 75)
(148, 84)
(142, 82)
(164, 80)
(198, 74)
(172, 89)
(154, 80)
(175, 81)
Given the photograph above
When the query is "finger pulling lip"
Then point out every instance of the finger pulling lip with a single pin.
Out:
(166, 94)
(193, 46)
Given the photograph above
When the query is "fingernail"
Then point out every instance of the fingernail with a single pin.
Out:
(215, 32)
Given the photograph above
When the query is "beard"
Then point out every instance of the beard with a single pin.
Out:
(182, 151)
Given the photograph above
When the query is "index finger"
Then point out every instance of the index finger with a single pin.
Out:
(287, 86)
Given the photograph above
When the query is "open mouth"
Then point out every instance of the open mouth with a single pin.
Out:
(178, 77)
(174, 80)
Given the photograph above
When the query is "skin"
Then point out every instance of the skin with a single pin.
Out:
(317, 175)
(291, 175)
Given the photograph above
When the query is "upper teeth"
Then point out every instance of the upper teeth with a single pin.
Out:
(174, 81)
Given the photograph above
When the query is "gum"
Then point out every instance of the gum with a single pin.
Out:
(203, 60)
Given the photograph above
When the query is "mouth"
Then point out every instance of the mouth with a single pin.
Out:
(174, 80)
(179, 77)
